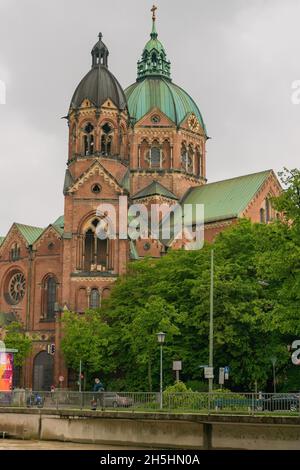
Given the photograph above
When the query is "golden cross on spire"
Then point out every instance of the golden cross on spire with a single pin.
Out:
(153, 9)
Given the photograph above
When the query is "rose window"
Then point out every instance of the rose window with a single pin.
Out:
(16, 288)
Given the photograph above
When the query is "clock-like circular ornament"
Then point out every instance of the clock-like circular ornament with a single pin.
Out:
(155, 118)
(193, 123)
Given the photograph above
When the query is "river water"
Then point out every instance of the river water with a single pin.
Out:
(13, 444)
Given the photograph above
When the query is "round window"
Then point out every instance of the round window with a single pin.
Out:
(155, 119)
(147, 246)
(96, 188)
(16, 288)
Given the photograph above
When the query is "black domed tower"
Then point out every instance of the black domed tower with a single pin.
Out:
(97, 173)
(98, 118)
(99, 83)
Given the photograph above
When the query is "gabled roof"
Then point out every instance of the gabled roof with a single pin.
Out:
(59, 224)
(154, 188)
(228, 198)
(96, 167)
(30, 233)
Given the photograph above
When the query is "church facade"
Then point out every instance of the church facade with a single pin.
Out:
(148, 143)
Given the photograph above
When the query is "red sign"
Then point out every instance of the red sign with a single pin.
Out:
(61, 378)
(6, 371)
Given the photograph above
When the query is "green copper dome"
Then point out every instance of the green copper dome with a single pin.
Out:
(157, 92)
(154, 87)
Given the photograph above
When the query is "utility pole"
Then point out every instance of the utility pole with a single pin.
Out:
(80, 374)
(211, 321)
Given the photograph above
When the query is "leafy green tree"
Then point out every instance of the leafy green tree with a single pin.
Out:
(85, 339)
(16, 338)
(288, 202)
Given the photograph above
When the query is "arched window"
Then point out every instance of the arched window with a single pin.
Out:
(106, 139)
(268, 210)
(191, 157)
(96, 251)
(15, 252)
(88, 139)
(50, 298)
(186, 162)
(262, 216)
(155, 155)
(198, 163)
(94, 298)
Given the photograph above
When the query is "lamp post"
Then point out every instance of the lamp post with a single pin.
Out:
(211, 321)
(161, 339)
(274, 360)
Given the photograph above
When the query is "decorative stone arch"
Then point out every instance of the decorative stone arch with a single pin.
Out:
(43, 371)
(93, 254)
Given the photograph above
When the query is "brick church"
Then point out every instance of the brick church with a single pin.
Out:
(147, 142)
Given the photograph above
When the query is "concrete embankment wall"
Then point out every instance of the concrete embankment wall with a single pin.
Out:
(148, 430)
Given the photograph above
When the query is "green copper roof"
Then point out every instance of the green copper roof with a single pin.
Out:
(31, 234)
(157, 92)
(154, 188)
(59, 224)
(228, 198)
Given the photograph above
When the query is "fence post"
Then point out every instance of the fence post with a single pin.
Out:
(208, 410)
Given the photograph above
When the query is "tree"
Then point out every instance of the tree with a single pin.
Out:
(15, 338)
(247, 296)
(85, 339)
(288, 202)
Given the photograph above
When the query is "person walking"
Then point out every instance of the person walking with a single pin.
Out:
(99, 389)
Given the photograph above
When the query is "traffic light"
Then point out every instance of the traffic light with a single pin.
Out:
(51, 348)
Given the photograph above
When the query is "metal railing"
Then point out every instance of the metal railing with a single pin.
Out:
(195, 402)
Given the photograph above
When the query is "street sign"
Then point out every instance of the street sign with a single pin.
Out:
(209, 372)
(221, 375)
(177, 365)
(226, 372)
(61, 378)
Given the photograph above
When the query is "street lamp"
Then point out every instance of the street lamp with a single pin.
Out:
(274, 360)
(161, 339)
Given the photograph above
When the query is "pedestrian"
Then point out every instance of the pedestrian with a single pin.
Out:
(99, 389)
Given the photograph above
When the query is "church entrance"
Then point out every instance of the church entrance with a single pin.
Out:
(43, 371)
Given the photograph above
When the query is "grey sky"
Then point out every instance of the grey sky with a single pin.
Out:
(236, 58)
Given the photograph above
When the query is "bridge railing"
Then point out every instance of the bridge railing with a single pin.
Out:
(199, 402)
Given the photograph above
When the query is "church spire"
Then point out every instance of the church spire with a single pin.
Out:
(100, 53)
(154, 59)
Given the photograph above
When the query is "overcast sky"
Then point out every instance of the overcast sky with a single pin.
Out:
(236, 58)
